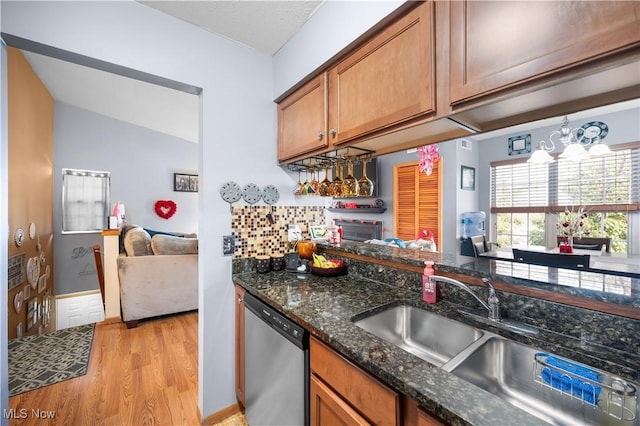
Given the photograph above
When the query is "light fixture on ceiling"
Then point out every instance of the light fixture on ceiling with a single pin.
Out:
(574, 150)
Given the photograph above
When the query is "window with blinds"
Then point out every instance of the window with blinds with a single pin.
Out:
(85, 200)
(606, 183)
(417, 200)
(525, 198)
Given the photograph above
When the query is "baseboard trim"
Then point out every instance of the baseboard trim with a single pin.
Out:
(77, 294)
(112, 320)
(219, 416)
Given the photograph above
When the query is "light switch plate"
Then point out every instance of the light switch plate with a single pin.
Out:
(228, 245)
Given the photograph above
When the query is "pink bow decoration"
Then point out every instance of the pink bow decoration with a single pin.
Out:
(428, 156)
(425, 234)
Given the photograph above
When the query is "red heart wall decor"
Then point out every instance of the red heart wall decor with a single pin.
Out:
(166, 208)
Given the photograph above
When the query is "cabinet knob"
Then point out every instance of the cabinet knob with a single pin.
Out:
(320, 135)
(333, 132)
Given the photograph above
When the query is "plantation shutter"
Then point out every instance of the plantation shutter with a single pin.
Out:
(416, 200)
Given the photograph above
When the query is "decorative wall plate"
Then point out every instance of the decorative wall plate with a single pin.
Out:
(230, 192)
(17, 301)
(18, 237)
(251, 193)
(592, 131)
(33, 271)
(270, 194)
(32, 231)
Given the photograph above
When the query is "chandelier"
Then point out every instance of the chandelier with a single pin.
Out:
(574, 150)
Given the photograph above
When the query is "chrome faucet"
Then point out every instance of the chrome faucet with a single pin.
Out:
(492, 304)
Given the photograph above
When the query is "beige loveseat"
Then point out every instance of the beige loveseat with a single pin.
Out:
(158, 275)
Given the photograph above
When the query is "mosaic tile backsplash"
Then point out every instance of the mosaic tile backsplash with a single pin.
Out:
(259, 234)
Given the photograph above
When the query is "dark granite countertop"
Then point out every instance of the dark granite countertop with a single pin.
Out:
(615, 289)
(326, 307)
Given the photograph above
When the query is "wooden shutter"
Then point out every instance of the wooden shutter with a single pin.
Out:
(417, 199)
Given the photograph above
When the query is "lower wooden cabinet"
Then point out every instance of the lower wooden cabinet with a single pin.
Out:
(412, 415)
(328, 408)
(240, 344)
(350, 387)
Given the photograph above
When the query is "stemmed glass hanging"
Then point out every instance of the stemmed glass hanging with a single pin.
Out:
(349, 184)
(336, 185)
(365, 185)
(315, 185)
(299, 186)
(324, 189)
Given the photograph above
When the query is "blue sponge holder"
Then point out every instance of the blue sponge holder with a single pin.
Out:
(590, 386)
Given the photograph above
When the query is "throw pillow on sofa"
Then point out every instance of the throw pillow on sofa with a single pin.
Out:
(137, 242)
(168, 244)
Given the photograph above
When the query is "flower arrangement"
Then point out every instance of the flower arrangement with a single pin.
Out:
(428, 156)
(570, 223)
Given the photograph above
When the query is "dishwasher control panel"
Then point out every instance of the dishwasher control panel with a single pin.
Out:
(276, 320)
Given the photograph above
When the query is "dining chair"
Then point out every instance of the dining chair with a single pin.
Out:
(590, 243)
(571, 261)
(481, 245)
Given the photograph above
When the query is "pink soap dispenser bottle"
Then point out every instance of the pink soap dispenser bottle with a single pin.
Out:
(428, 287)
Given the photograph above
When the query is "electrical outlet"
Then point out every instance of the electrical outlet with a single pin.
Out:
(228, 245)
(294, 233)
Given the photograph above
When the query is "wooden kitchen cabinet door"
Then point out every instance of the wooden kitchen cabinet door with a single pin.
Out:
(328, 409)
(240, 344)
(500, 44)
(302, 120)
(387, 81)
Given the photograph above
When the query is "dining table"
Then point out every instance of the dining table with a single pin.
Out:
(599, 261)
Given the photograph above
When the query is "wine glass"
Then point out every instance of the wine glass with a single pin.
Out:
(315, 185)
(299, 187)
(336, 185)
(324, 189)
(365, 185)
(349, 184)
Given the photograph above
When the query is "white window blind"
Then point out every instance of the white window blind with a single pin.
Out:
(606, 183)
(85, 200)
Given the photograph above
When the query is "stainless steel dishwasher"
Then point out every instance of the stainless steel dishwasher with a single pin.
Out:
(276, 367)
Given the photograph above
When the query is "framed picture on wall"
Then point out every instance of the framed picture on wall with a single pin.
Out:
(467, 178)
(185, 182)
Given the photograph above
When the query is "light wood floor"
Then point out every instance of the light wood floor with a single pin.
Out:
(143, 376)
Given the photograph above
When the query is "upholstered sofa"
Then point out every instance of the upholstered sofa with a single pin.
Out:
(158, 274)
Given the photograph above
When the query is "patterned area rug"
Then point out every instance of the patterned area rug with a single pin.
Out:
(37, 361)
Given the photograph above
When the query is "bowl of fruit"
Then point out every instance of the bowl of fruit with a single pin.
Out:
(324, 267)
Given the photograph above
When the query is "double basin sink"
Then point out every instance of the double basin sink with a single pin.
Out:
(510, 370)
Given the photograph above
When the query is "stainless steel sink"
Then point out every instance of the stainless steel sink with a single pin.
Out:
(432, 337)
(509, 370)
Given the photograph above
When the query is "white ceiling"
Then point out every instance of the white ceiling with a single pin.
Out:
(262, 25)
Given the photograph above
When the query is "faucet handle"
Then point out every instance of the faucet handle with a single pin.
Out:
(493, 301)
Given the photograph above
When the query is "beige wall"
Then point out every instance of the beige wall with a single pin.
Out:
(30, 130)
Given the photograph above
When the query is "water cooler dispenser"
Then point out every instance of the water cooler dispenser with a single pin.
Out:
(472, 225)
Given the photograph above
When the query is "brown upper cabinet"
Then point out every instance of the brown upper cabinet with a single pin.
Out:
(386, 81)
(302, 120)
(498, 44)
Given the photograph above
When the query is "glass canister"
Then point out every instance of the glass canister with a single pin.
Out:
(333, 236)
